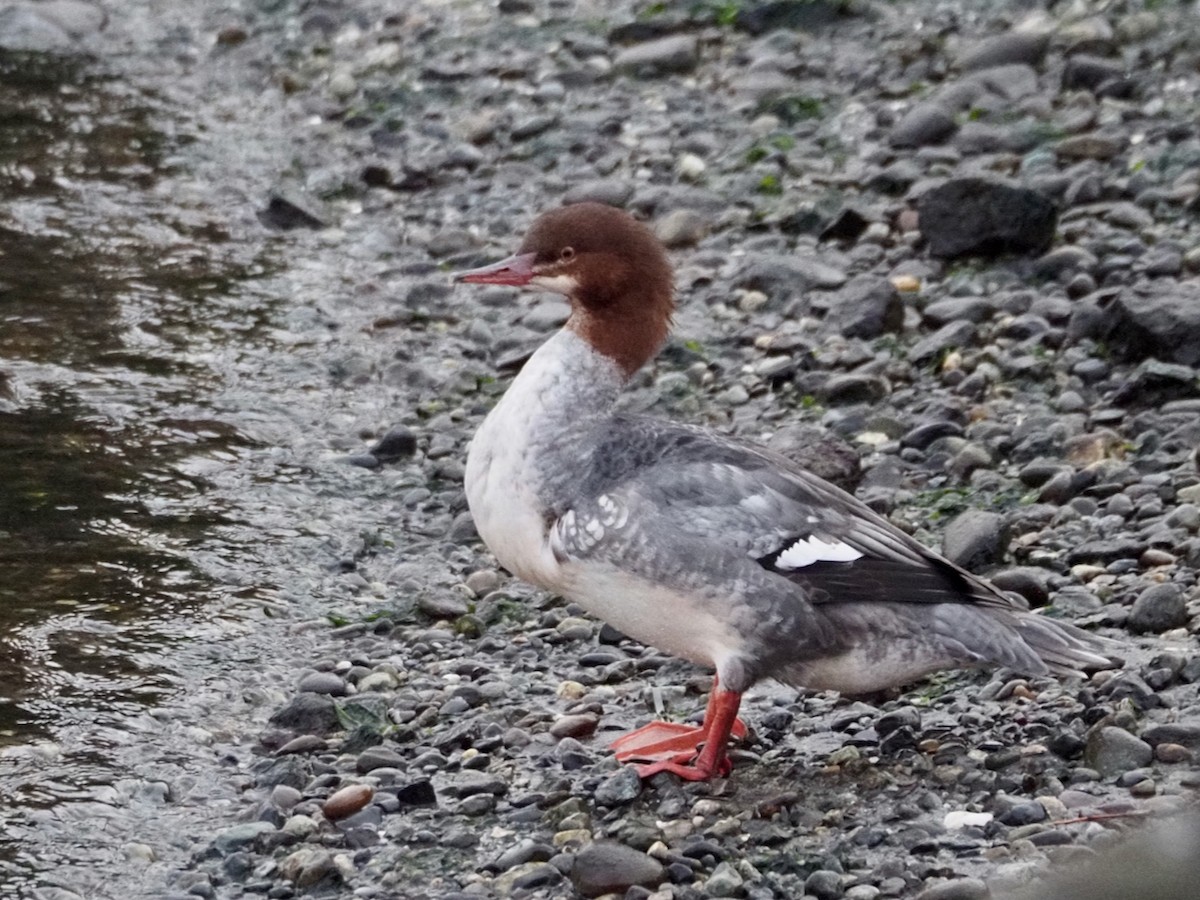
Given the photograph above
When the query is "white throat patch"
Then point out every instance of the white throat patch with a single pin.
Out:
(556, 284)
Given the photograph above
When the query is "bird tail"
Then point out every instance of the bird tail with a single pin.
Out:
(1065, 648)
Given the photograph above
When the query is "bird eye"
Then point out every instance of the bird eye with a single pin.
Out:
(567, 254)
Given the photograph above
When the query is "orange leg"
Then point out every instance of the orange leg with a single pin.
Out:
(694, 754)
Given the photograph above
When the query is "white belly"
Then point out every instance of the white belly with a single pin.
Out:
(650, 613)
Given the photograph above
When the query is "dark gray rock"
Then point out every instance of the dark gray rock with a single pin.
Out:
(378, 758)
(787, 276)
(982, 217)
(1185, 732)
(1005, 49)
(847, 226)
(443, 605)
(1159, 608)
(470, 783)
(524, 852)
(1024, 814)
(925, 123)
(416, 793)
(954, 309)
(1151, 321)
(1062, 260)
(1027, 581)
(949, 337)
(289, 213)
(895, 178)
(1106, 550)
(809, 15)
(240, 836)
(605, 867)
(621, 787)
(866, 307)
(975, 539)
(308, 714)
(1112, 751)
(399, 443)
(921, 436)
(1103, 77)
(526, 877)
(850, 389)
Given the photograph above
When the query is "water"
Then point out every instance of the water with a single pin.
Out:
(178, 385)
(117, 310)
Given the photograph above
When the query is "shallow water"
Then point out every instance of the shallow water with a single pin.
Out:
(117, 312)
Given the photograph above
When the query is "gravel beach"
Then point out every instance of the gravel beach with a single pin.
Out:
(946, 254)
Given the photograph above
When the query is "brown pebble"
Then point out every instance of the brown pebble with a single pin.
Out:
(574, 726)
(1154, 557)
(232, 36)
(1172, 753)
(347, 801)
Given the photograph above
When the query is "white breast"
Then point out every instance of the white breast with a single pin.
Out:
(520, 443)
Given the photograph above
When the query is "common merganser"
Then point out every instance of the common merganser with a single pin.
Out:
(705, 546)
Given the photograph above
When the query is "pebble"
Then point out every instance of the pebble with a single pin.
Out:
(682, 228)
(308, 866)
(347, 801)
(529, 876)
(285, 796)
(605, 867)
(575, 726)
(377, 758)
(240, 836)
(323, 683)
(1028, 47)
(824, 885)
(669, 55)
(621, 787)
(1172, 753)
(925, 123)
(443, 605)
(1159, 608)
(1112, 751)
(975, 539)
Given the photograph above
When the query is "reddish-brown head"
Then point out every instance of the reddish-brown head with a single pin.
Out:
(610, 266)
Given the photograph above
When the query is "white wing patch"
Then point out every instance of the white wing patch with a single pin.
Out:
(812, 549)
